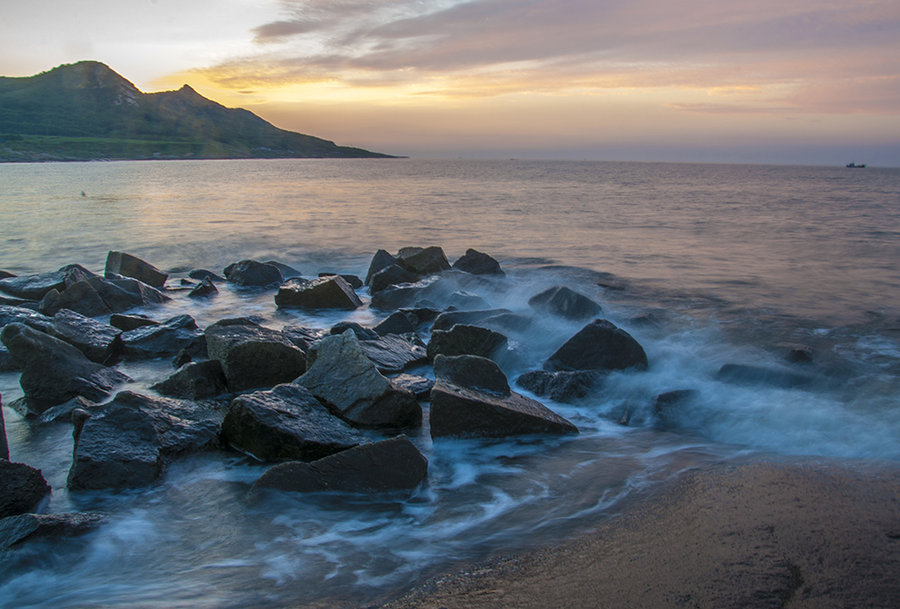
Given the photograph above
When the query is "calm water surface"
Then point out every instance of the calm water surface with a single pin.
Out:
(733, 264)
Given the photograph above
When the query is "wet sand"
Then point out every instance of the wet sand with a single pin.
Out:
(813, 534)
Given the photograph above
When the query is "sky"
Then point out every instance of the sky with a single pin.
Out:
(762, 81)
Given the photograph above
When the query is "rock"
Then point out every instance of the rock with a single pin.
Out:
(466, 411)
(7, 362)
(380, 260)
(465, 340)
(398, 322)
(423, 261)
(38, 321)
(563, 386)
(202, 274)
(361, 333)
(565, 302)
(253, 356)
(54, 371)
(472, 372)
(352, 280)
(203, 289)
(194, 381)
(323, 293)
(600, 345)
(757, 375)
(130, 322)
(250, 273)
(22, 488)
(80, 297)
(98, 341)
(34, 287)
(799, 354)
(121, 263)
(287, 272)
(448, 319)
(303, 338)
(418, 385)
(379, 467)
(287, 422)
(478, 263)
(395, 297)
(6, 274)
(394, 353)
(348, 382)
(161, 340)
(391, 275)
(4, 445)
(117, 294)
(15, 530)
(63, 412)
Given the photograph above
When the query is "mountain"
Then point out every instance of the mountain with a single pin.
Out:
(86, 111)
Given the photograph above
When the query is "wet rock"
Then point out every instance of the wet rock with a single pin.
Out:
(15, 530)
(565, 302)
(398, 322)
(394, 353)
(423, 261)
(302, 337)
(121, 263)
(98, 341)
(81, 297)
(465, 340)
(420, 386)
(379, 467)
(600, 345)
(130, 322)
(396, 297)
(348, 382)
(204, 289)
(6, 274)
(119, 294)
(54, 371)
(4, 445)
(352, 280)
(22, 488)
(565, 386)
(63, 412)
(478, 263)
(666, 406)
(472, 372)
(38, 321)
(201, 274)
(161, 340)
(448, 319)
(7, 362)
(466, 301)
(392, 275)
(250, 273)
(361, 333)
(287, 422)
(34, 287)
(253, 356)
(741, 374)
(194, 381)
(380, 260)
(467, 411)
(287, 271)
(323, 293)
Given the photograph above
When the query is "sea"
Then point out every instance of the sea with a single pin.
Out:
(704, 264)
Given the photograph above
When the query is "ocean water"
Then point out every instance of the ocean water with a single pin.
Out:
(705, 265)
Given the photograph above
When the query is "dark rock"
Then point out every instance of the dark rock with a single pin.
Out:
(4, 445)
(22, 488)
(323, 293)
(418, 385)
(394, 353)
(121, 294)
(361, 333)
(391, 275)
(12, 301)
(600, 345)
(253, 356)
(467, 301)
(34, 287)
(203, 289)
(194, 381)
(398, 322)
(478, 263)
(423, 261)
(757, 375)
(202, 274)
(287, 272)
(287, 422)
(161, 340)
(6, 274)
(121, 263)
(565, 302)
(379, 467)
(666, 405)
(471, 372)
(380, 260)
(465, 340)
(352, 280)
(799, 354)
(98, 341)
(302, 337)
(250, 273)
(80, 297)
(38, 321)
(563, 386)
(448, 319)
(54, 371)
(345, 379)
(7, 362)
(130, 322)
(63, 412)
(420, 315)
(396, 297)
(15, 530)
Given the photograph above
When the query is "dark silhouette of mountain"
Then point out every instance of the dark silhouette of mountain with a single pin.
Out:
(86, 111)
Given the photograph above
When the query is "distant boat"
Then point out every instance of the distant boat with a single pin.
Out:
(855, 166)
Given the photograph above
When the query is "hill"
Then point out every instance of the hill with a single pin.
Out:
(86, 111)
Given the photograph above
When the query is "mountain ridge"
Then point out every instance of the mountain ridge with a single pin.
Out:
(87, 111)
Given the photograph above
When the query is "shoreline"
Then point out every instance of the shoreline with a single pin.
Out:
(813, 533)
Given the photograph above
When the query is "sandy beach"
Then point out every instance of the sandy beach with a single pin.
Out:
(813, 534)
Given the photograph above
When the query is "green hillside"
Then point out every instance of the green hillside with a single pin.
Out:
(85, 111)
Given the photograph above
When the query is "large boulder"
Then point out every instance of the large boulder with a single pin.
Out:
(251, 273)
(561, 386)
(600, 345)
(7, 362)
(15, 530)
(130, 322)
(380, 260)
(379, 467)
(468, 400)
(349, 383)
(161, 340)
(398, 322)
(194, 381)
(11, 314)
(22, 488)
(100, 296)
(34, 287)
(463, 339)
(53, 371)
(448, 319)
(286, 422)
(253, 356)
(394, 353)
(81, 297)
(98, 341)
(332, 292)
(423, 261)
(120, 263)
(565, 302)
(392, 275)
(478, 263)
